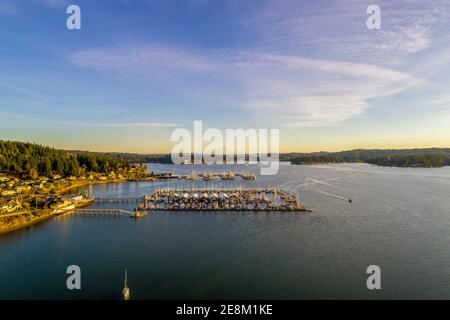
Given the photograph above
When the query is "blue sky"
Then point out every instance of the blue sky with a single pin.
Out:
(139, 69)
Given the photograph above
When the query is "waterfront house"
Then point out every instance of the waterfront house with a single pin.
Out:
(8, 193)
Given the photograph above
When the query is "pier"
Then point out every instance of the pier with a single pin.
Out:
(110, 212)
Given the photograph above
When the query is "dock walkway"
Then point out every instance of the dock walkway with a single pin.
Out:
(110, 212)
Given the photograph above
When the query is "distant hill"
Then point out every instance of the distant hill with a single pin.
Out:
(429, 157)
(130, 157)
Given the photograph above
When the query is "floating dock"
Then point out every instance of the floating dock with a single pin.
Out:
(221, 200)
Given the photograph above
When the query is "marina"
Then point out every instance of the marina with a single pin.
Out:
(221, 200)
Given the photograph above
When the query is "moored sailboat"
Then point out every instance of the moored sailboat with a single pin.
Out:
(126, 290)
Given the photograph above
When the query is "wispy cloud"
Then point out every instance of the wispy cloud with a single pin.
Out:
(313, 65)
(338, 28)
(128, 125)
(146, 59)
(291, 89)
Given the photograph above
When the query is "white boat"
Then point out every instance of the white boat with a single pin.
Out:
(192, 176)
(207, 176)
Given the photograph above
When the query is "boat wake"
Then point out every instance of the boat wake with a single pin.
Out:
(333, 195)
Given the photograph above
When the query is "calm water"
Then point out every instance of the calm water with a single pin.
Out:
(399, 220)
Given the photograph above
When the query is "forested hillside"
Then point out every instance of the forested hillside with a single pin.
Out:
(34, 160)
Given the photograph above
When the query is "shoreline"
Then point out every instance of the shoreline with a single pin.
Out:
(53, 214)
(25, 225)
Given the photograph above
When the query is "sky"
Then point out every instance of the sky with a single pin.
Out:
(137, 70)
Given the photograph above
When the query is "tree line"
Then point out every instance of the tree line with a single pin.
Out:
(33, 160)
(130, 157)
